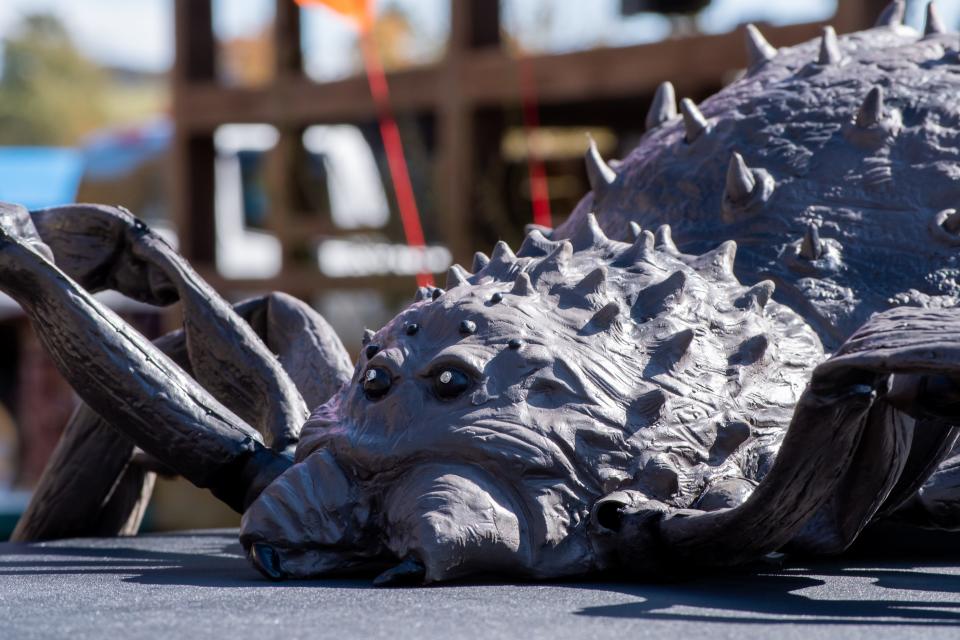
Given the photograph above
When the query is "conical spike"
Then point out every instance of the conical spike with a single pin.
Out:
(530, 228)
(829, 48)
(756, 296)
(871, 111)
(367, 336)
(502, 262)
(588, 234)
(952, 222)
(593, 283)
(641, 249)
(672, 350)
(740, 180)
(522, 285)
(693, 121)
(934, 25)
(660, 297)
(606, 315)
(635, 230)
(535, 244)
(423, 293)
(892, 16)
(502, 253)
(663, 107)
(750, 350)
(599, 174)
(812, 247)
(663, 239)
(758, 49)
(556, 261)
(480, 261)
(456, 276)
(720, 260)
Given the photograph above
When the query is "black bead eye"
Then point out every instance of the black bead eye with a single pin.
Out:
(376, 383)
(448, 383)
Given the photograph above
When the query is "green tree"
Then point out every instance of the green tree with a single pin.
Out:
(50, 94)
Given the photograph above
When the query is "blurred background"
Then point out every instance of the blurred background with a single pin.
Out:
(245, 131)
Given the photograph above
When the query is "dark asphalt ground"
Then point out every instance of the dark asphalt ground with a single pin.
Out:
(197, 585)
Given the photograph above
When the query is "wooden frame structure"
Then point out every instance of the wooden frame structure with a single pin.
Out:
(469, 78)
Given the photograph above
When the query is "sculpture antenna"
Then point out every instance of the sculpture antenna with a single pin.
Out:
(934, 24)
(829, 48)
(871, 111)
(758, 49)
(892, 15)
(663, 107)
(600, 175)
(694, 123)
(740, 181)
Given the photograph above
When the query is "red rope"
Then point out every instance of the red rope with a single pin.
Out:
(360, 14)
(393, 146)
(539, 192)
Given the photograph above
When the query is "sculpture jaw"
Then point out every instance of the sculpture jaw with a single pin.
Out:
(310, 521)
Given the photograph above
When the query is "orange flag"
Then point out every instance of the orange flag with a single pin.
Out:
(357, 11)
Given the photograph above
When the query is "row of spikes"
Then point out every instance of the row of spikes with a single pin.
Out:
(588, 235)
(741, 179)
(759, 50)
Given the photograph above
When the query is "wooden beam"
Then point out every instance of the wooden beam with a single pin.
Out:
(195, 59)
(484, 77)
(192, 158)
(286, 39)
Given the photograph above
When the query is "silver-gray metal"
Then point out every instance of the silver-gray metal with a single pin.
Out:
(584, 404)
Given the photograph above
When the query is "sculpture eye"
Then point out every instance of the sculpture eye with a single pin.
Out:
(376, 383)
(448, 383)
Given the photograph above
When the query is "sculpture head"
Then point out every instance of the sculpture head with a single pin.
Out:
(503, 424)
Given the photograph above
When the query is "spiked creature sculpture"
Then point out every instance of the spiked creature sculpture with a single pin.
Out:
(584, 404)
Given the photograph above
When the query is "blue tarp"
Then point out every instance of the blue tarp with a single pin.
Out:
(38, 177)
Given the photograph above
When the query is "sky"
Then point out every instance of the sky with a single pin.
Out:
(139, 33)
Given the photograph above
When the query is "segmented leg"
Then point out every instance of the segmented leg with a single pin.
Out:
(105, 247)
(134, 386)
(74, 498)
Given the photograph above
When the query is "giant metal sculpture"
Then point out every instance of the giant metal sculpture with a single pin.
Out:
(587, 403)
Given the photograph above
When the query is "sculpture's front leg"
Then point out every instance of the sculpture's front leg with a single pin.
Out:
(133, 385)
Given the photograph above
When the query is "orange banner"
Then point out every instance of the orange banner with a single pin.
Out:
(357, 11)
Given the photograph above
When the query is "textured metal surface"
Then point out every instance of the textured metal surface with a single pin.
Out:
(854, 137)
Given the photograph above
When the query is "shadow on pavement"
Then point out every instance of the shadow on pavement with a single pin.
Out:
(855, 589)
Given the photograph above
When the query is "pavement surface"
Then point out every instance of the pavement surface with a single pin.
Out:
(198, 585)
